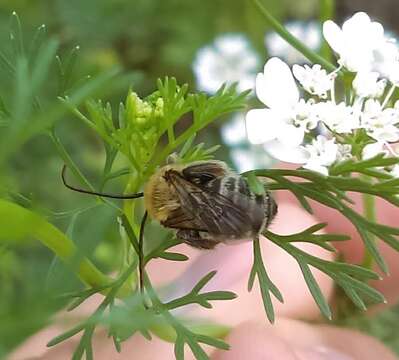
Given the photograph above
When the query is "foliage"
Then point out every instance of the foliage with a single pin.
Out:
(138, 136)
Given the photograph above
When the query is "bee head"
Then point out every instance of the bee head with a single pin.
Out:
(202, 172)
(197, 174)
(170, 175)
(173, 176)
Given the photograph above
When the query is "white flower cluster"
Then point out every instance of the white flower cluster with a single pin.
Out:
(229, 59)
(289, 124)
(243, 154)
(308, 32)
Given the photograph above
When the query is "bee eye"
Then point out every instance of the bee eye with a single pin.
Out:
(202, 179)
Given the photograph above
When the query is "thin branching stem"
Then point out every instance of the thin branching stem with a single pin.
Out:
(369, 212)
(312, 56)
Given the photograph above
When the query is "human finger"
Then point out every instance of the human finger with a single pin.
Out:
(295, 340)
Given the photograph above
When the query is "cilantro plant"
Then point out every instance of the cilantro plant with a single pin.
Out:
(145, 132)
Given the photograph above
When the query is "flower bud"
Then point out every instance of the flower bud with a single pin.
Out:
(143, 113)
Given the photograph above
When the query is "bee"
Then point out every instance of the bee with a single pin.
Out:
(205, 202)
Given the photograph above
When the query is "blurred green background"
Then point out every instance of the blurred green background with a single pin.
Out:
(147, 39)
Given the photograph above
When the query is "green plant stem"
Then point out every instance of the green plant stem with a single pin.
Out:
(327, 10)
(22, 222)
(180, 302)
(157, 303)
(68, 160)
(129, 213)
(88, 325)
(75, 169)
(369, 212)
(295, 42)
(168, 149)
(82, 179)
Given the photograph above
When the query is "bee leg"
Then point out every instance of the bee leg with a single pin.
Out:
(141, 257)
(196, 239)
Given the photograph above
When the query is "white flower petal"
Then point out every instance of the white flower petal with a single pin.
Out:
(315, 166)
(357, 23)
(333, 35)
(366, 84)
(380, 124)
(276, 87)
(323, 150)
(344, 152)
(392, 72)
(395, 171)
(337, 117)
(299, 72)
(295, 155)
(361, 44)
(290, 135)
(314, 80)
(390, 133)
(261, 125)
(372, 150)
(372, 107)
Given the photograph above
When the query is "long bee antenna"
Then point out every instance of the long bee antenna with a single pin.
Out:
(141, 252)
(107, 195)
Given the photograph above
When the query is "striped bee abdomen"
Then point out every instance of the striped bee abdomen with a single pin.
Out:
(260, 209)
(206, 203)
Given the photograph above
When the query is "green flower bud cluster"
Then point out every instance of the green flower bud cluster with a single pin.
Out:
(143, 120)
(144, 114)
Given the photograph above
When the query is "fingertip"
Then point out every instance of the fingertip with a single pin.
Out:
(291, 339)
(255, 342)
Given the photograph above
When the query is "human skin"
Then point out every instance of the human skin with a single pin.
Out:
(252, 337)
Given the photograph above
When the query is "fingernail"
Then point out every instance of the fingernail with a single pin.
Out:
(321, 353)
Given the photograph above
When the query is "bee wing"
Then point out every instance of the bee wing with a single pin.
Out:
(181, 219)
(213, 212)
(220, 215)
